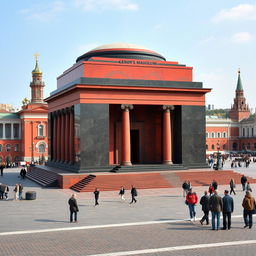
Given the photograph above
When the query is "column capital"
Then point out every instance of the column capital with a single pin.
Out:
(168, 107)
(126, 107)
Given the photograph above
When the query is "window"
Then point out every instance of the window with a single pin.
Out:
(8, 147)
(8, 132)
(213, 135)
(224, 135)
(218, 134)
(40, 130)
(16, 147)
(212, 147)
(16, 131)
(41, 148)
(1, 148)
(243, 132)
(224, 146)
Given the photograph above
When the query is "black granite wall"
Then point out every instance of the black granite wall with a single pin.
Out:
(177, 133)
(193, 135)
(94, 135)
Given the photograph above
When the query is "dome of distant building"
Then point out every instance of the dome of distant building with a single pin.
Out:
(122, 50)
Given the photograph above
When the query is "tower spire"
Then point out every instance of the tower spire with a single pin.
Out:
(37, 69)
(239, 86)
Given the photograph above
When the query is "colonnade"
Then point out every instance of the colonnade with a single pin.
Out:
(62, 138)
(167, 134)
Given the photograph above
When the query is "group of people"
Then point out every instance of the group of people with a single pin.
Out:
(214, 203)
(73, 206)
(4, 190)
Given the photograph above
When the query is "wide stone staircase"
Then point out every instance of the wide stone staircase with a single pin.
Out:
(79, 186)
(43, 177)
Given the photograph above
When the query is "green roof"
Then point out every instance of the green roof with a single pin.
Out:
(239, 86)
(9, 116)
(37, 68)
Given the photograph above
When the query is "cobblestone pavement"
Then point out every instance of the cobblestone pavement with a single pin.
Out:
(50, 211)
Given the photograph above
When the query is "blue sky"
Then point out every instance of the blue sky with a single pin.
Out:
(214, 37)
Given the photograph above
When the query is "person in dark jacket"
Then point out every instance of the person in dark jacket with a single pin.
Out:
(2, 169)
(133, 194)
(215, 206)
(204, 201)
(73, 207)
(122, 192)
(243, 182)
(96, 196)
(228, 208)
(232, 186)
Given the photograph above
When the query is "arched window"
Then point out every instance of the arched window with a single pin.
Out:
(224, 146)
(40, 130)
(213, 135)
(212, 146)
(1, 147)
(16, 148)
(8, 147)
(41, 148)
(218, 134)
(206, 146)
(224, 135)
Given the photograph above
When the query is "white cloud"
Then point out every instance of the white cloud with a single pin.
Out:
(237, 13)
(91, 5)
(44, 12)
(242, 37)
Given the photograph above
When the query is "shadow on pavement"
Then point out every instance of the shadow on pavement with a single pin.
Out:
(47, 220)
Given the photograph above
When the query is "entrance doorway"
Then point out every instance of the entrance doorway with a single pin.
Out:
(135, 146)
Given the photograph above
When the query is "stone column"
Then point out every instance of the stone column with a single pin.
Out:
(71, 136)
(62, 135)
(54, 136)
(67, 132)
(3, 130)
(58, 137)
(126, 143)
(12, 137)
(167, 135)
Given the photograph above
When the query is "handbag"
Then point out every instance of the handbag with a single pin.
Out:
(186, 202)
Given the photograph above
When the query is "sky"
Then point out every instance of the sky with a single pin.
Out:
(216, 38)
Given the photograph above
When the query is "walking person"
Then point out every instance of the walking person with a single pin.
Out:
(249, 206)
(133, 194)
(2, 169)
(243, 182)
(20, 191)
(121, 193)
(192, 200)
(16, 192)
(228, 208)
(73, 207)
(204, 201)
(248, 187)
(215, 206)
(232, 186)
(96, 196)
(6, 192)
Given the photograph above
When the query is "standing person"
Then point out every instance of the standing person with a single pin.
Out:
(248, 187)
(16, 191)
(185, 187)
(204, 201)
(243, 182)
(249, 206)
(232, 186)
(192, 200)
(23, 173)
(96, 196)
(228, 208)
(133, 194)
(121, 193)
(73, 207)
(215, 184)
(2, 188)
(20, 191)
(6, 192)
(215, 206)
(211, 189)
(2, 169)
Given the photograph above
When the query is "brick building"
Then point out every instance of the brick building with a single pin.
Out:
(237, 133)
(23, 134)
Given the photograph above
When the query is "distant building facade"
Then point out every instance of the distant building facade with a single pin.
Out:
(237, 133)
(23, 134)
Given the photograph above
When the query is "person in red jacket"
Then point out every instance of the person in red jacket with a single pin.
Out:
(191, 201)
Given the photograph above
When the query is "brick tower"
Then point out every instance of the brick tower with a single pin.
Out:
(239, 110)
